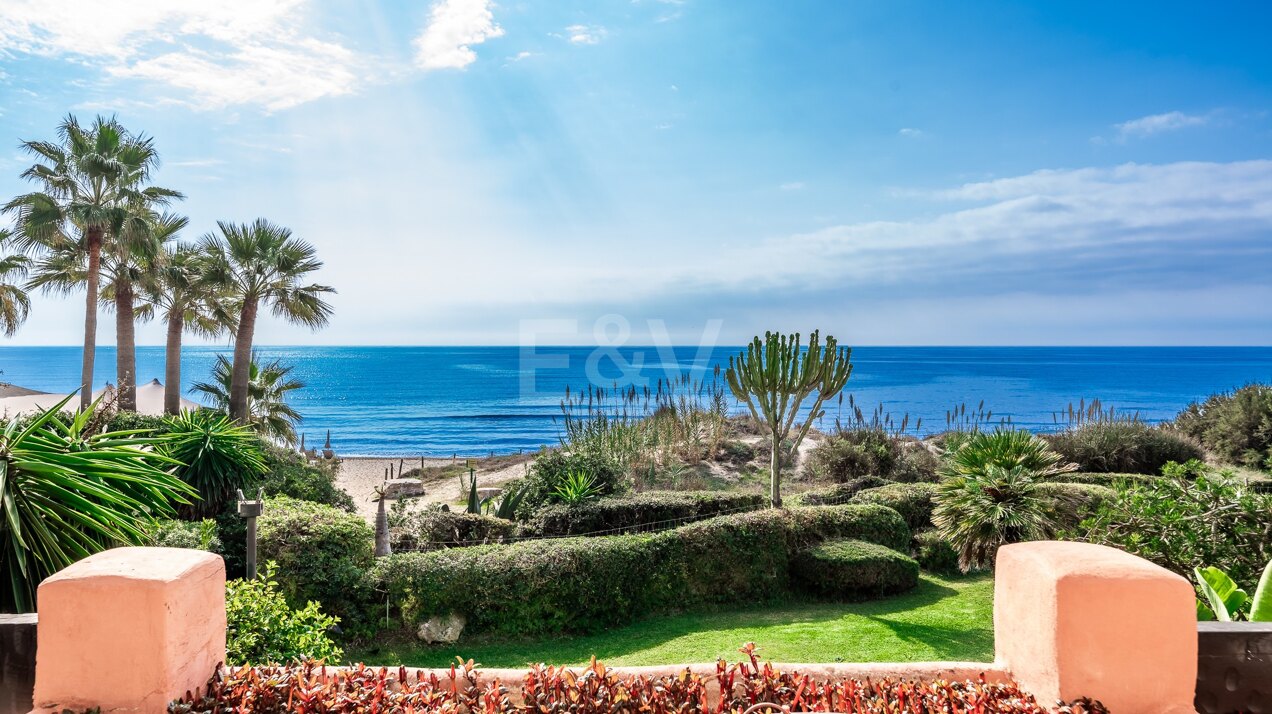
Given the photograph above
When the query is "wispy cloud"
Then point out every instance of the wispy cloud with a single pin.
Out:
(585, 34)
(1157, 124)
(792, 186)
(193, 163)
(454, 27)
(911, 133)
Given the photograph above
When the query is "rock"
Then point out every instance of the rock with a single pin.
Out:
(403, 488)
(485, 493)
(442, 629)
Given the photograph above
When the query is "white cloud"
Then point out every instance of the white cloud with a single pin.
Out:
(585, 34)
(792, 186)
(454, 26)
(911, 133)
(1158, 123)
(220, 53)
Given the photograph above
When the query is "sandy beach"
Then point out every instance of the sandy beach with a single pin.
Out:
(359, 476)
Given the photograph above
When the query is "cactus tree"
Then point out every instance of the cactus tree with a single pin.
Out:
(774, 376)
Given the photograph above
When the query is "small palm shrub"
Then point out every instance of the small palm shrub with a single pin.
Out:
(217, 457)
(1236, 426)
(852, 569)
(989, 496)
(1123, 445)
(263, 629)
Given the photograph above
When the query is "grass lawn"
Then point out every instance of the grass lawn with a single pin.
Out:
(942, 619)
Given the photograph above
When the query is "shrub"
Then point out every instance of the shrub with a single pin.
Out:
(321, 554)
(934, 552)
(848, 569)
(636, 512)
(217, 456)
(196, 535)
(1073, 502)
(584, 584)
(1101, 479)
(838, 494)
(552, 467)
(870, 451)
(1236, 426)
(914, 501)
(1183, 523)
(433, 530)
(287, 473)
(990, 498)
(261, 628)
(736, 453)
(1123, 446)
(133, 421)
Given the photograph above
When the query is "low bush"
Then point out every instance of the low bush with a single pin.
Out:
(550, 470)
(1123, 446)
(736, 453)
(653, 510)
(261, 628)
(584, 584)
(853, 453)
(1182, 522)
(934, 552)
(287, 473)
(433, 530)
(914, 501)
(838, 494)
(1236, 426)
(196, 535)
(1073, 502)
(1101, 479)
(322, 553)
(851, 569)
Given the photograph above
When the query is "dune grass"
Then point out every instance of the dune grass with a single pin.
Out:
(941, 619)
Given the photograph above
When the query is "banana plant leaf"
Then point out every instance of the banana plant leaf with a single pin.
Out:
(1223, 595)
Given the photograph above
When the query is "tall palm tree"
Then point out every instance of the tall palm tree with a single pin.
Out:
(89, 180)
(181, 294)
(259, 264)
(268, 385)
(14, 303)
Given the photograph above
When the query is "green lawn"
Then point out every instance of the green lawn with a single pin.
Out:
(942, 619)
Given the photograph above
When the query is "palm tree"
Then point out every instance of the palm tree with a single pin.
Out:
(261, 263)
(14, 303)
(268, 386)
(180, 292)
(90, 181)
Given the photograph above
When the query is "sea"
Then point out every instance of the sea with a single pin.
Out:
(476, 401)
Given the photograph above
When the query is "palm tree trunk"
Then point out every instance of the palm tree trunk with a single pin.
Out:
(90, 316)
(125, 346)
(776, 472)
(172, 362)
(242, 362)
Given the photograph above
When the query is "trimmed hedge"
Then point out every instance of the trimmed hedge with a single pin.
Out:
(627, 514)
(914, 501)
(838, 494)
(935, 553)
(433, 530)
(852, 569)
(1101, 479)
(585, 584)
(1072, 502)
(322, 554)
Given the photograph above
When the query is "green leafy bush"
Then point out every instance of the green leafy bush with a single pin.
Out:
(433, 530)
(1102, 479)
(1236, 426)
(850, 569)
(914, 501)
(287, 473)
(551, 468)
(934, 552)
(1123, 446)
(321, 552)
(839, 493)
(1073, 502)
(196, 535)
(263, 629)
(217, 457)
(635, 512)
(1181, 523)
(584, 584)
(870, 451)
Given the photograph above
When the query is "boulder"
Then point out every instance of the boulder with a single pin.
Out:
(442, 628)
(403, 488)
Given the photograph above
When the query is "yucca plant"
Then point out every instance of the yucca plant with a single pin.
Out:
(989, 494)
(217, 457)
(67, 492)
(577, 486)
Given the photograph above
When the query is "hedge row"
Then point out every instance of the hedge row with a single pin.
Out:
(852, 569)
(433, 530)
(914, 501)
(584, 584)
(838, 494)
(626, 514)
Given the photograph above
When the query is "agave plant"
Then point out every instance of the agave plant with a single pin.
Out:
(989, 495)
(67, 492)
(513, 494)
(217, 458)
(1226, 601)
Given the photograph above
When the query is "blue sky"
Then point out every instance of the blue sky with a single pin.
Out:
(481, 172)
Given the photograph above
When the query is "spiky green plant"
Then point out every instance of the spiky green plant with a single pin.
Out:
(577, 487)
(774, 377)
(68, 490)
(989, 494)
(513, 494)
(217, 458)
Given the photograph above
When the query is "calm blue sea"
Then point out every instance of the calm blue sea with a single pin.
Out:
(473, 400)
